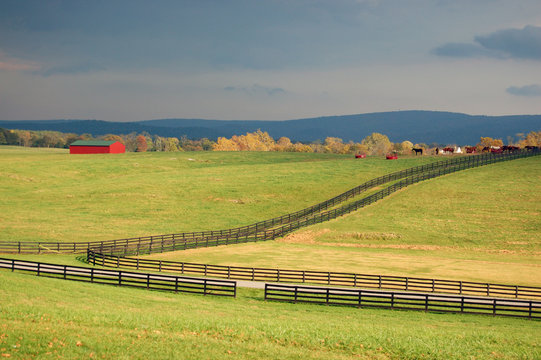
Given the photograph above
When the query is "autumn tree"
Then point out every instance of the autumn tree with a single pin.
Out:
(532, 139)
(141, 143)
(225, 144)
(24, 138)
(377, 144)
(488, 142)
(172, 144)
(334, 145)
(403, 148)
(283, 144)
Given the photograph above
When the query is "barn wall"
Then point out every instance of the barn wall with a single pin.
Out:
(117, 148)
(89, 149)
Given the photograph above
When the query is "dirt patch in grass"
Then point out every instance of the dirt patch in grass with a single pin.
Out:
(303, 237)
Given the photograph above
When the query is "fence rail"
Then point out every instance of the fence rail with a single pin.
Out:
(319, 277)
(267, 229)
(123, 278)
(403, 300)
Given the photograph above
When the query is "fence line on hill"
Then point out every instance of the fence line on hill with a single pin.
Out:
(403, 300)
(318, 277)
(127, 247)
(263, 230)
(169, 283)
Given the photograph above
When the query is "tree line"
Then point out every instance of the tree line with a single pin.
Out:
(374, 144)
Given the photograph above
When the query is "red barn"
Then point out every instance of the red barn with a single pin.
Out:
(97, 147)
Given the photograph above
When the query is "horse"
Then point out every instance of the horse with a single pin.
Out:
(471, 149)
(448, 150)
(417, 151)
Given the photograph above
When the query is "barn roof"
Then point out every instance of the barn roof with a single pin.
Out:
(92, 143)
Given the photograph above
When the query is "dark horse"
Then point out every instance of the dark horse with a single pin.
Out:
(417, 151)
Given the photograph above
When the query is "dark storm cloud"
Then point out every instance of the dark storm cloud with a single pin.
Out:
(508, 43)
(528, 90)
(516, 43)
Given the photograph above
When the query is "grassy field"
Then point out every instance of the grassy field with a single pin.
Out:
(49, 319)
(468, 225)
(481, 224)
(54, 196)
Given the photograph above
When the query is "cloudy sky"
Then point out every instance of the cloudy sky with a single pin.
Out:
(130, 60)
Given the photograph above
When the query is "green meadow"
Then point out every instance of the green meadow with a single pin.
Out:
(480, 224)
(49, 319)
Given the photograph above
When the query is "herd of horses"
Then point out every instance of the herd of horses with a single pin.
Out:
(469, 150)
(486, 149)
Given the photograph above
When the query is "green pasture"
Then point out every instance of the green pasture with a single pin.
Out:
(481, 224)
(55, 196)
(48, 319)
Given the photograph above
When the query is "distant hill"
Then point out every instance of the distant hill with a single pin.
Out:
(416, 126)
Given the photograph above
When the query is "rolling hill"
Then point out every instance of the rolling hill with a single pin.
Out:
(416, 126)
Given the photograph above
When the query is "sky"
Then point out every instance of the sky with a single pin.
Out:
(131, 60)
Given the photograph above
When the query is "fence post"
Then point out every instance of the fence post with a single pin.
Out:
(494, 307)
(65, 270)
(91, 275)
(38, 268)
(296, 293)
(392, 300)
(327, 298)
(205, 287)
(12, 265)
(426, 302)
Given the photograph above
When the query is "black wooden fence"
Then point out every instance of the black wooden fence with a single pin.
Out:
(403, 300)
(269, 229)
(123, 278)
(318, 277)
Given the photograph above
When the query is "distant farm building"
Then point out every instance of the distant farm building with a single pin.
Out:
(97, 147)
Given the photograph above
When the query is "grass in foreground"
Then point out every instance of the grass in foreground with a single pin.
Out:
(49, 318)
